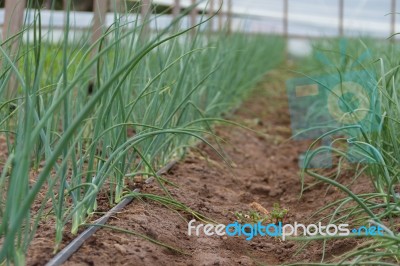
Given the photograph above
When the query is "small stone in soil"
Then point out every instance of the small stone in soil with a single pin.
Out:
(288, 245)
(260, 189)
(275, 192)
(120, 248)
(151, 233)
(278, 251)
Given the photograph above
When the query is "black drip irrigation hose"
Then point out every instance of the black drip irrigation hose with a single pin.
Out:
(72, 247)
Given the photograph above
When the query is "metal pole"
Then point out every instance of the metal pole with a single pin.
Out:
(393, 19)
(341, 17)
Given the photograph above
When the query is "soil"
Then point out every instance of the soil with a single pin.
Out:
(264, 170)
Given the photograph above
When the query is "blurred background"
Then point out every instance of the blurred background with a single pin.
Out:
(299, 20)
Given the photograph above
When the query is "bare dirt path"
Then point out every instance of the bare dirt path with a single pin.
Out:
(265, 171)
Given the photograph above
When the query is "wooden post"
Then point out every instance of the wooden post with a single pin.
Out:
(118, 6)
(99, 19)
(341, 17)
(146, 5)
(48, 4)
(65, 8)
(176, 9)
(221, 15)
(286, 27)
(210, 14)
(393, 20)
(13, 20)
(229, 17)
(193, 18)
(286, 19)
(145, 13)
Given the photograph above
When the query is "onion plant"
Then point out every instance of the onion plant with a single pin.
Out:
(378, 152)
(150, 96)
